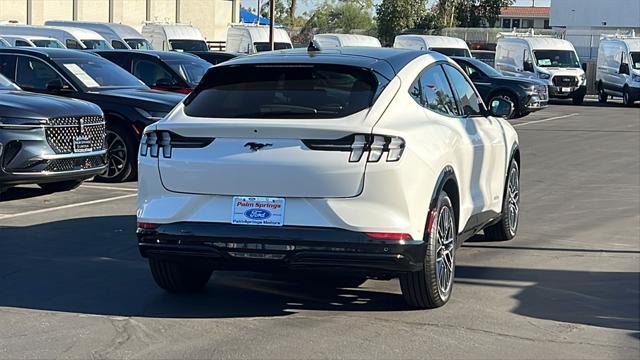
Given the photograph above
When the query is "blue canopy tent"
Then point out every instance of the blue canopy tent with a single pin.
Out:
(248, 17)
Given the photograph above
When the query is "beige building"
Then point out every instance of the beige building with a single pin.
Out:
(212, 17)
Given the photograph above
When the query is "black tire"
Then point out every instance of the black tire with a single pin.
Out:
(577, 100)
(510, 97)
(425, 289)
(122, 155)
(626, 97)
(507, 227)
(179, 277)
(60, 186)
(602, 95)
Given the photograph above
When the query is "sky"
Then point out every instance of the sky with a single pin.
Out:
(306, 5)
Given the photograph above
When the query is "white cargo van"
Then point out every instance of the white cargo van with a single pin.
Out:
(446, 45)
(346, 40)
(549, 59)
(120, 36)
(72, 38)
(618, 72)
(33, 41)
(174, 37)
(251, 39)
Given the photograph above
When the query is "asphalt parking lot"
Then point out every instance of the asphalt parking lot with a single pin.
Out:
(72, 284)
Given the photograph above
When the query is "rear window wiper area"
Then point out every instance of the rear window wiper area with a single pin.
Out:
(289, 111)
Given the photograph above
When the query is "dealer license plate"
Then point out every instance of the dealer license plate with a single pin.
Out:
(81, 144)
(257, 211)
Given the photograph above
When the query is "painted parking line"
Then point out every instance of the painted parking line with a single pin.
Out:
(109, 188)
(33, 212)
(547, 119)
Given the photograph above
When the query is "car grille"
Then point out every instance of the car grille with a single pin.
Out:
(79, 163)
(61, 131)
(565, 81)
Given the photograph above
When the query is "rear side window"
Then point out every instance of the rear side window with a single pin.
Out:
(300, 91)
(436, 94)
(467, 97)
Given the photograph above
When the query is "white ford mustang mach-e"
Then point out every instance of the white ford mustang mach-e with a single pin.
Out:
(350, 162)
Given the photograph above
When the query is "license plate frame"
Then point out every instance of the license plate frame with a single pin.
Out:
(82, 144)
(258, 211)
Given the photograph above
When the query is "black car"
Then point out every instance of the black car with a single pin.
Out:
(215, 57)
(127, 103)
(161, 70)
(527, 95)
(47, 140)
(486, 56)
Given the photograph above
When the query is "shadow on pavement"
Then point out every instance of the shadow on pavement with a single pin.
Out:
(21, 192)
(92, 266)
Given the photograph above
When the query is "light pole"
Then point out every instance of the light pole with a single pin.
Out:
(272, 20)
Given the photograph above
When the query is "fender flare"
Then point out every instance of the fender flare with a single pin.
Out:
(445, 175)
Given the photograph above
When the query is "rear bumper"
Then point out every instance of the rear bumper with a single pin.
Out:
(250, 248)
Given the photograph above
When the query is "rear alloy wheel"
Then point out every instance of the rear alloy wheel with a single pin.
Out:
(626, 97)
(60, 186)
(507, 228)
(179, 277)
(121, 153)
(512, 99)
(602, 95)
(431, 287)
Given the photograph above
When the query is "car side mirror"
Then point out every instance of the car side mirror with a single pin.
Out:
(528, 66)
(501, 107)
(55, 85)
(624, 69)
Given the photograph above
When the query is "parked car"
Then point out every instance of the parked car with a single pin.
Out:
(215, 57)
(527, 95)
(538, 57)
(174, 37)
(128, 104)
(47, 140)
(120, 36)
(33, 41)
(72, 38)
(346, 40)
(367, 162)
(446, 45)
(486, 56)
(618, 72)
(252, 39)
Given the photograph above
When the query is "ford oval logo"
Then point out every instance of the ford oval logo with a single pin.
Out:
(257, 214)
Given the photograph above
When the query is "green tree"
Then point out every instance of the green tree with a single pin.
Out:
(469, 13)
(394, 16)
(342, 16)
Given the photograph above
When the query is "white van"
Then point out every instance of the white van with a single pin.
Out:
(549, 59)
(251, 39)
(120, 36)
(446, 45)
(33, 41)
(346, 40)
(174, 37)
(618, 71)
(72, 38)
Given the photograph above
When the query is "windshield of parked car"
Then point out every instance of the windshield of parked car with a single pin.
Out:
(97, 73)
(556, 58)
(486, 69)
(191, 70)
(265, 46)
(188, 45)
(48, 43)
(97, 44)
(295, 91)
(139, 44)
(6, 84)
(453, 52)
(635, 60)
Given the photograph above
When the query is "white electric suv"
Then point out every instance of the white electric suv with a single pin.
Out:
(351, 162)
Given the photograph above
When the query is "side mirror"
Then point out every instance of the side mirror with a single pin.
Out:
(501, 108)
(528, 66)
(624, 69)
(55, 85)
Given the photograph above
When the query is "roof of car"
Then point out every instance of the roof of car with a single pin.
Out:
(384, 60)
(162, 55)
(53, 53)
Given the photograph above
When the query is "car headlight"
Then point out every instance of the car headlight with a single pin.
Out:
(152, 115)
(544, 76)
(635, 78)
(21, 122)
(583, 79)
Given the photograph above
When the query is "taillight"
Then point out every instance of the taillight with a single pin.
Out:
(389, 236)
(148, 226)
(185, 91)
(154, 143)
(359, 144)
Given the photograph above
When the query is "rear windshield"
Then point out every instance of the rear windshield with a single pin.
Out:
(188, 45)
(305, 91)
(453, 52)
(265, 46)
(191, 70)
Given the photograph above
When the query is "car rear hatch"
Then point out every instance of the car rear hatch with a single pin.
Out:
(273, 131)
